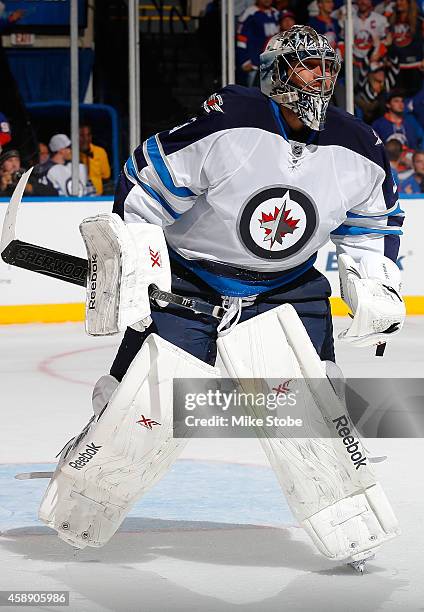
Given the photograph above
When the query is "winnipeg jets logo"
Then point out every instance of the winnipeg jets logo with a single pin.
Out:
(213, 103)
(279, 224)
(276, 222)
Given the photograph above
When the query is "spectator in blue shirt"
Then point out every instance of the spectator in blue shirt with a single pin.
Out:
(415, 105)
(256, 25)
(325, 24)
(396, 121)
(415, 182)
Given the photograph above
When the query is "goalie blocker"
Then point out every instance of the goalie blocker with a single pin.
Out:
(123, 261)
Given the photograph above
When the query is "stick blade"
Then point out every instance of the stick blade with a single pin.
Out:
(33, 475)
(9, 224)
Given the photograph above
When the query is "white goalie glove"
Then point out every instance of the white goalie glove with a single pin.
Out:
(123, 261)
(371, 288)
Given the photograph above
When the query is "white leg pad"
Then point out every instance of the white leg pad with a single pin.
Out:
(337, 501)
(124, 451)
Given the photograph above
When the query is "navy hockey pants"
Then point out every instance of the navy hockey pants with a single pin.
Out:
(196, 333)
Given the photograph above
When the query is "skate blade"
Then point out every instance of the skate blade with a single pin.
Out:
(360, 566)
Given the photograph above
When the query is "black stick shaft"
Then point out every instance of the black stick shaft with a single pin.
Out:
(46, 261)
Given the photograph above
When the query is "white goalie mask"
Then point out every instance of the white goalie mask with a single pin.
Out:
(290, 77)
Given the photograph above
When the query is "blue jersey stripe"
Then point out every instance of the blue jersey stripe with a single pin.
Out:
(163, 172)
(276, 110)
(159, 199)
(238, 288)
(352, 230)
(154, 194)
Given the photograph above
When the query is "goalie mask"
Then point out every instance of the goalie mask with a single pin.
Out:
(299, 69)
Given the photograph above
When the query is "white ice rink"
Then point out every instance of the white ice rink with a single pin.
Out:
(215, 534)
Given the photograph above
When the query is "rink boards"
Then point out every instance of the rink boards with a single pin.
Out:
(53, 222)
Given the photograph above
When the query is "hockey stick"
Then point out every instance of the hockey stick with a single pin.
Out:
(70, 268)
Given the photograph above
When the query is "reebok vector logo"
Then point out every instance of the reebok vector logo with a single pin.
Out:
(84, 457)
(93, 282)
(146, 422)
(155, 257)
(352, 445)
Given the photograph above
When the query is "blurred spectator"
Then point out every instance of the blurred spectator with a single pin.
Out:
(5, 134)
(325, 24)
(10, 173)
(299, 9)
(394, 151)
(94, 158)
(56, 172)
(396, 121)
(240, 6)
(415, 183)
(370, 96)
(404, 164)
(415, 105)
(287, 20)
(371, 33)
(256, 25)
(43, 153)
(386, 8)
(284, 5)
(374, 82)
(406, 27)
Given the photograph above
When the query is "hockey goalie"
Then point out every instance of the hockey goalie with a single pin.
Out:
(231, 208)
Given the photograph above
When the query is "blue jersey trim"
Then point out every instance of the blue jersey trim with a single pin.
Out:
(277, 114)
(352, 230)
(155, 195)
(163, 172)
(159, 199)
(235, 288)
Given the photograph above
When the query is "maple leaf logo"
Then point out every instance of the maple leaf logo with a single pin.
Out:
(279, 223)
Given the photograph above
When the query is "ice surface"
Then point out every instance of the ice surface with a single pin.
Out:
(215, 534)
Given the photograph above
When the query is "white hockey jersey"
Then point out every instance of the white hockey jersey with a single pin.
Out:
(246, 207)
(59, 176)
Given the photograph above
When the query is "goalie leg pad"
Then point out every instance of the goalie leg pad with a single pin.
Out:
(337, 501)
(122, 452)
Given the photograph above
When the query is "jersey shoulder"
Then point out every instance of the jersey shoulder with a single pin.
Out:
(229, 108)
(347, 131)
